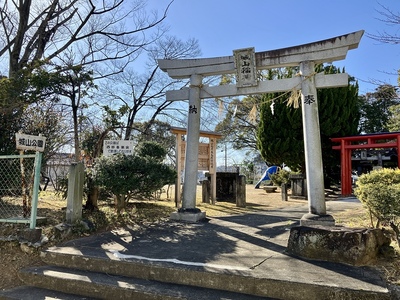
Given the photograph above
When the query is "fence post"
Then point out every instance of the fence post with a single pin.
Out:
(75, 192)
(35, 192)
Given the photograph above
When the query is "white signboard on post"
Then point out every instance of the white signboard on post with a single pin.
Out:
(30, 142)
(111, 147)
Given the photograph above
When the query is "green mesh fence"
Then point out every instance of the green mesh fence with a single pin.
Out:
(17, 177)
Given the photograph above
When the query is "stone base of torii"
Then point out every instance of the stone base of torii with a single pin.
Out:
(188, 215)
(245, 63)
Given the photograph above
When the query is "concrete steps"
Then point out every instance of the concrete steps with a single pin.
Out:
(99, 278)
(34, 293)
(107, 286)
(235, 257)
(70, 275)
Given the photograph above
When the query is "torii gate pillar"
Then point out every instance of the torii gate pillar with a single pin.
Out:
(312, 150)
(188, 211)
(191, 159)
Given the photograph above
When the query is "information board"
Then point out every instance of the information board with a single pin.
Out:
(111, 147)
(30, 142)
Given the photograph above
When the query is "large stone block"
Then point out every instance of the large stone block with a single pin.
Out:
(30, 235)
(355, 246)
(188, 216)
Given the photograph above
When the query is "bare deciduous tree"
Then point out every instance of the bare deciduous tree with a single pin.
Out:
(132, 96)
(72, 35)
(392, 19)
(52, 28)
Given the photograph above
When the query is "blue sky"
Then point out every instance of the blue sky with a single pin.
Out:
(222, 26)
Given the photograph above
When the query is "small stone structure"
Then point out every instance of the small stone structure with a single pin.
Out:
(354, 246)
(284, 192)
(226, 186)
(299, 186)
(75, 192)
(231, 187)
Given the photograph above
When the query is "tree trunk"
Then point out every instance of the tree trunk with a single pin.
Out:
(93, 195)
(120, 203)
(396, 231)
(24, 13)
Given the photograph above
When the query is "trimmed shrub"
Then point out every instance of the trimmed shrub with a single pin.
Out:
(282, 176)
(129, 176)
(379, 191)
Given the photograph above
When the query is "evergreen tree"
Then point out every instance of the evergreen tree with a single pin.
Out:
(339, 115)
(394, 121)
(134, 176)
(279, 135)
(376, 109)
(29, 85)
(280, 132)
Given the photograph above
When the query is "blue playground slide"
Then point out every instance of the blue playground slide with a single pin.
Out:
(266, 176)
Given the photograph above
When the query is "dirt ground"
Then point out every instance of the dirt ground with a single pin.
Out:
(14, 256)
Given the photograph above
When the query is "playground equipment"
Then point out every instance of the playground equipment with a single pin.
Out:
(266, 176)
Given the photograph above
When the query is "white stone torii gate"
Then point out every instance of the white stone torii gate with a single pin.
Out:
(305, 56)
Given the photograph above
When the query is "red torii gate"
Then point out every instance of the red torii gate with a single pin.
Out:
(365, 141)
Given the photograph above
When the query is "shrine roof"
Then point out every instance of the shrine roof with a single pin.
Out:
(209, 134)
(374, 136)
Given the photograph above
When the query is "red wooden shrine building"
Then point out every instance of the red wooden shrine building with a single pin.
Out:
(372, 143)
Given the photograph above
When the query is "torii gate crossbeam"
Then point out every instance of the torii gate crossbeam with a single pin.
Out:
(305, 56)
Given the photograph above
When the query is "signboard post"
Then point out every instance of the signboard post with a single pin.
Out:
(35, 143)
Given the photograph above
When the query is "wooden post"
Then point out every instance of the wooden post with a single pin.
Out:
(178, 155)
(213, 169)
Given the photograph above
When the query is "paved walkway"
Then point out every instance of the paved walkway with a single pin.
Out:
(251, 244)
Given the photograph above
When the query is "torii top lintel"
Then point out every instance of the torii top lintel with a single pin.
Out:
(328, 50)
